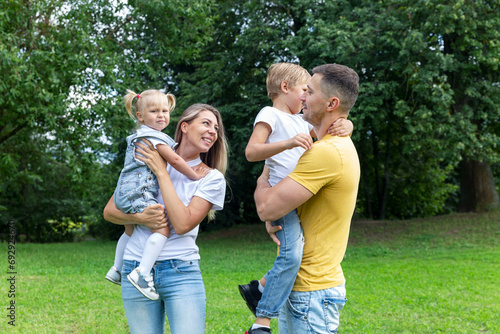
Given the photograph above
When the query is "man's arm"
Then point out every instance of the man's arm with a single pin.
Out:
(274, 202)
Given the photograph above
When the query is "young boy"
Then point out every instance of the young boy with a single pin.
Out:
(280, 136)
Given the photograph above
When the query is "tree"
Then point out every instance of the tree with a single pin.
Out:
(408, 130)
(46, 50)
(230, 74)
(65, 65)
(470, 38)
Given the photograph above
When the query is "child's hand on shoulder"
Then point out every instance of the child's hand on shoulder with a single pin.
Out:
(201, 171)
(341, 127)
(303, 140)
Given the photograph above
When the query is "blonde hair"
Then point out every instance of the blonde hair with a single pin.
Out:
(145, 99)
(216, 157)
(293, 74)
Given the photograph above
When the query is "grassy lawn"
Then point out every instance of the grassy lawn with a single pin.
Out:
(436, 275)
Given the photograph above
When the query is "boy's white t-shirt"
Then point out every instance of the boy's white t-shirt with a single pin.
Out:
(283, 126)
(181, 247)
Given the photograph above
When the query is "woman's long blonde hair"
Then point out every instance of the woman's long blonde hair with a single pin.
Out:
(216, 157)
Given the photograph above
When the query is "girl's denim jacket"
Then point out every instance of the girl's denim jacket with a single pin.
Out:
(137, 186)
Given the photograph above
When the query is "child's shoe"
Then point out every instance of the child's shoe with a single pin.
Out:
(144, 284)
(114, 276)
(251, 295)
(261, 330)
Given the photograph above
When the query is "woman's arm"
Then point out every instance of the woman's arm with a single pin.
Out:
(153, 217)
(182, 218)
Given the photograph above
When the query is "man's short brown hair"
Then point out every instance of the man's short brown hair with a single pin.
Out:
(339, 81)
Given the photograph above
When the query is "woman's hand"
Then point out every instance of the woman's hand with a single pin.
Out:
(153, 217)
(150, 156)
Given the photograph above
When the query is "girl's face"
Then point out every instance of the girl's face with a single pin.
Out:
(155, 116)
(201, 132)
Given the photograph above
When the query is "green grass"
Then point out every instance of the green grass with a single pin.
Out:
(436, 275)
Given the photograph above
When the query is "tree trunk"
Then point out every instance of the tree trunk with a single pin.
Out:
(477, 187)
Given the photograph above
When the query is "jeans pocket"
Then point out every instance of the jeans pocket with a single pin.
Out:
(128, 183)
(331, 311)
(298, 308)
(187, 267)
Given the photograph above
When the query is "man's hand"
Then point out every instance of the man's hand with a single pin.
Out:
(272, 232)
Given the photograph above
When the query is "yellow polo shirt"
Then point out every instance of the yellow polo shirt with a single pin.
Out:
(330, 170)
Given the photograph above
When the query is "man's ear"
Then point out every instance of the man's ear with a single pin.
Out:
(333, 103)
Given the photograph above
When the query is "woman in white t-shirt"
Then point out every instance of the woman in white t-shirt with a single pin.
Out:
(177, 276)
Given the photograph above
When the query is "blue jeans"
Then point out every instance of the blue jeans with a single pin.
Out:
(182, 298)
(281, 277)
(312, 312)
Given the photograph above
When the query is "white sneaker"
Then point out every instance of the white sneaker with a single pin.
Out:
(144, 284)
(114, 276)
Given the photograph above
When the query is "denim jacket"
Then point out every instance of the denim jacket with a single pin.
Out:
(137, 186)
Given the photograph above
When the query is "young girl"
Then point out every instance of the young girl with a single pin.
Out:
(138, 187)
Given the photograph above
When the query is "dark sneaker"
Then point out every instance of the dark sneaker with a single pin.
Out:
(251, 294)
(261, 330)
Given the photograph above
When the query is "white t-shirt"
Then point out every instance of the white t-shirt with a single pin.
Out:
(181, 247)
(144, 129)
(283, 126)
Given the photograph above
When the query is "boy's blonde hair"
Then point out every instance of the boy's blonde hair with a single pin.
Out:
(293, 74)
(145, 99)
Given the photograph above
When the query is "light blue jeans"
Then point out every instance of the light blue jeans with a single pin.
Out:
(281, 277)
(312, 312)
(182, 298)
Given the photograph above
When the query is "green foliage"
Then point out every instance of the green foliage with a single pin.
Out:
(429, 94)
(412, 127)
(64, 64)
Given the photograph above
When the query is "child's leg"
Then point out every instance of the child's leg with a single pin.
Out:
(280, 279)
(121, 245)
(152, 250)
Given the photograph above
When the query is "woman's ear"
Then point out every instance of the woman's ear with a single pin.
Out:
(184, 127)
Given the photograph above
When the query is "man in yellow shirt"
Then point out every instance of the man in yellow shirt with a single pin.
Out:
(323, 187)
